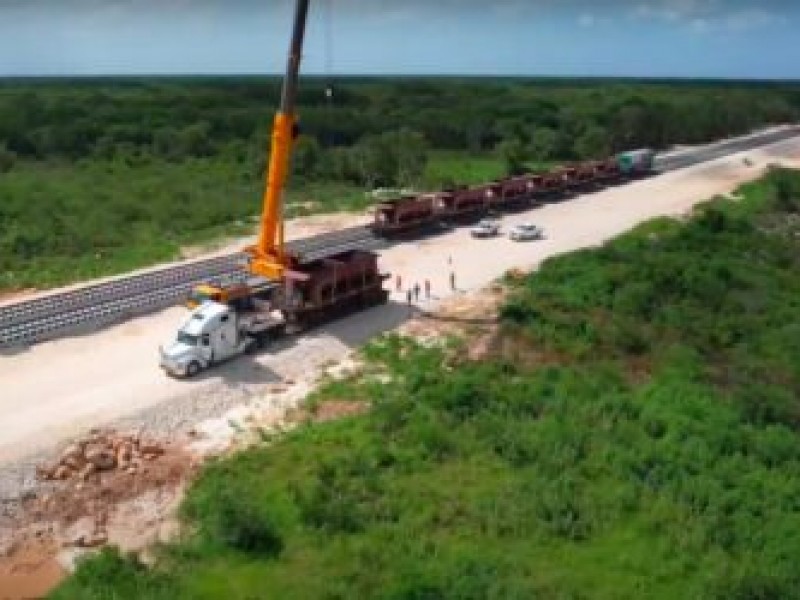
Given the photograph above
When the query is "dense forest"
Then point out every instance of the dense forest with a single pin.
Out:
(101, 175)
(632, 434)
(550, 119)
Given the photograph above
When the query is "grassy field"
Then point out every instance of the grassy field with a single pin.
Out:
(447, 167)
(68, 222)
(634, 434)
(459, 167)
(64, 223)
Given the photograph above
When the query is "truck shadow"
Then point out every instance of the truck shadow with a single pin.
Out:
(358, 328)
(352, 331)
(243, 370)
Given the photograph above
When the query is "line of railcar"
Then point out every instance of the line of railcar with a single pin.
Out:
(411, 213)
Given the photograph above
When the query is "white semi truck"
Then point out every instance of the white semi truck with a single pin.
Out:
(214, 333)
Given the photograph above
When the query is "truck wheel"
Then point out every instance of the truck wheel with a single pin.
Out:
(193, 368)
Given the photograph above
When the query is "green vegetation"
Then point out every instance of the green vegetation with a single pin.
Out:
(634, 434)
(99, 176)
(61, 223)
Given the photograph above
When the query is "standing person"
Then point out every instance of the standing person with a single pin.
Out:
(428, 289)
(408, 297)
(453, 280)
(398, 283)
(416, 292)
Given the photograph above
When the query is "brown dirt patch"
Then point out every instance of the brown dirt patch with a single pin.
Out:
(130, 509)
(32, 574)
(338, 409)
(15, 295)
(472, 315)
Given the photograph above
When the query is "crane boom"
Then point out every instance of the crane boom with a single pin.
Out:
(268, 255)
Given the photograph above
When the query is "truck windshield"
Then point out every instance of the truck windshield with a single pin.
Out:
(186, 338)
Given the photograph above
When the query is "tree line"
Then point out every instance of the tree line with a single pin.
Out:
(353, 135)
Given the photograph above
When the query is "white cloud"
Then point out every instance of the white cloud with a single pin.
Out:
(704, 16)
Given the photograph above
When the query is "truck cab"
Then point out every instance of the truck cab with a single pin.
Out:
(238, 294)
(210, 335)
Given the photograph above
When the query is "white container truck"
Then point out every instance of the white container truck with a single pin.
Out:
(214, 333)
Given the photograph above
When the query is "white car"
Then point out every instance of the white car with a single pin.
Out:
(525, 232)
(486, 228)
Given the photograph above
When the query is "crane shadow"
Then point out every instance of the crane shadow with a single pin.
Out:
(357, 329)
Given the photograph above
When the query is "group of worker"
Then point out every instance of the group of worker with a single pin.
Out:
(413, 293)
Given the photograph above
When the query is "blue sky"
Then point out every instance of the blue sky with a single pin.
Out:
(659, 38)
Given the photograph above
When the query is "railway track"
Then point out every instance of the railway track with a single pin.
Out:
(102, 304)
(106, 303)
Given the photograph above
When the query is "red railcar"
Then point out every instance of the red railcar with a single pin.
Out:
(329, 287)
(516, 190)
(566, 178)
(411, 213)
(537, 186)
(607, 170)
(493, 194)
(551, 182)
(585, 174)
(462, 202)
(404, 214)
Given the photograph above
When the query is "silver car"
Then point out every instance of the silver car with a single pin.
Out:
(525, 232)
(486, 228)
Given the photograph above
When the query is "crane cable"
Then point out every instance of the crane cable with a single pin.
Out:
(328, 73)
(328, 50)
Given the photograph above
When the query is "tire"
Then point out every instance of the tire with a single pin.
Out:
(193, 368)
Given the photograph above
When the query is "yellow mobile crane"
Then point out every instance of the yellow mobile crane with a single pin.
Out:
(227, 320)
(268, 256)
(307, 293)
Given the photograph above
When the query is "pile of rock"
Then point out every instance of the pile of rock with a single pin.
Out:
(100, 452)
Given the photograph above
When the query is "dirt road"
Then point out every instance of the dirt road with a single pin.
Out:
(54, 390)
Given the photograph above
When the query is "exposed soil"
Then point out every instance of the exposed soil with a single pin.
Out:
(32, 573)
(331, 410)
(43, 534)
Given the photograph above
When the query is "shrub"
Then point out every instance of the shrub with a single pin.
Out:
(7, 159)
